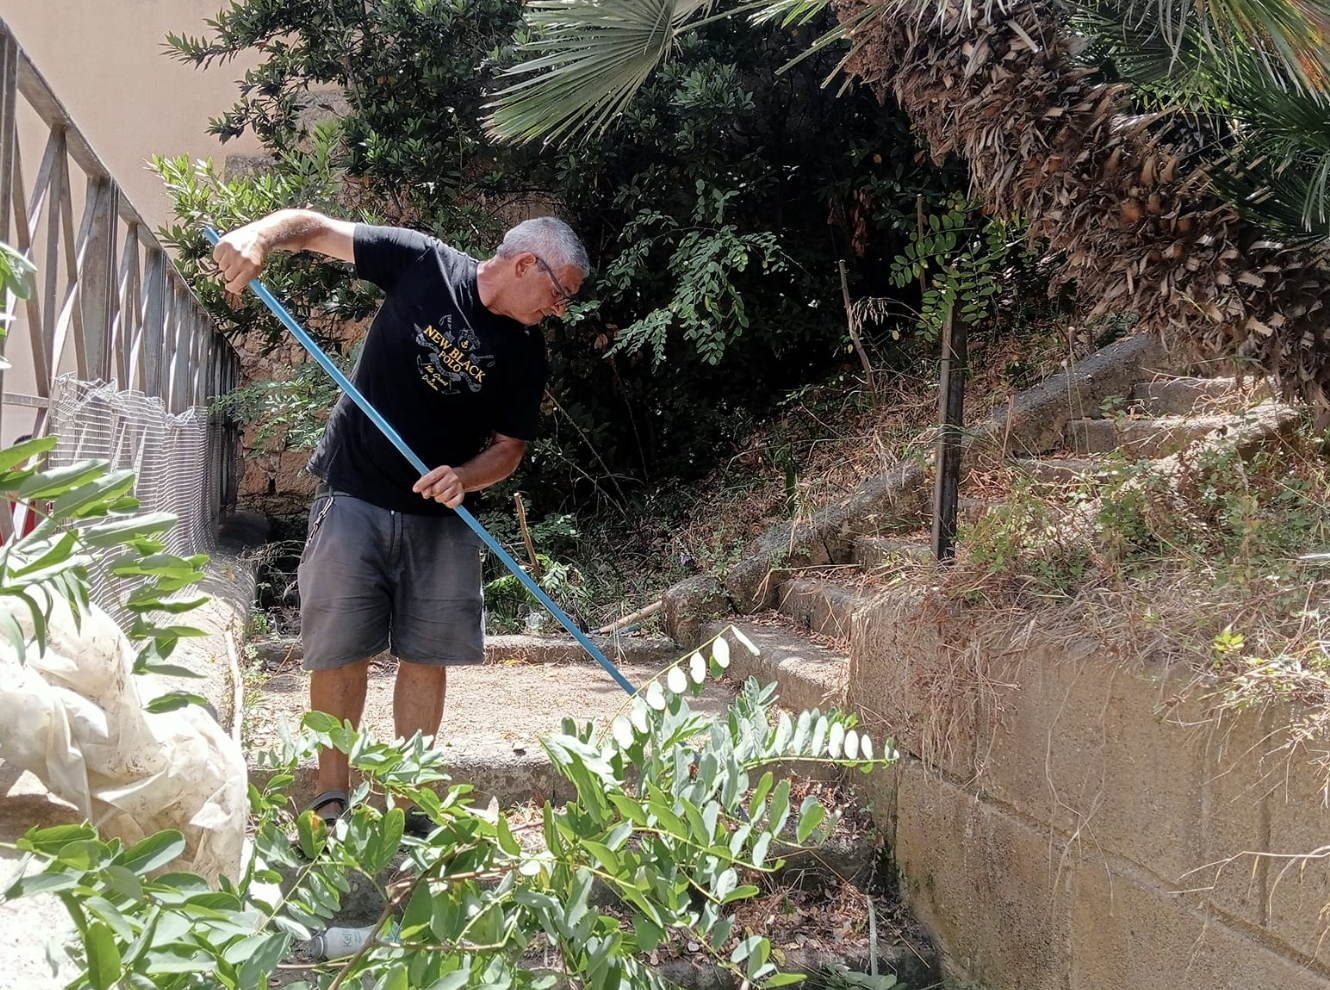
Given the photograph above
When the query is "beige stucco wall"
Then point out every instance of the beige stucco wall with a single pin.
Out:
(105, 61)
(1064, 808)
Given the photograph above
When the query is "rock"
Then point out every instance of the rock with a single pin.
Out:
(689, 605)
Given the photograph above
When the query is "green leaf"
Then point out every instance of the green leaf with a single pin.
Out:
(419, 911)
(155, 851)
(507, 841)
(21, 452)
(780, 806)
(455, 980)
(60, 551)
(760, 794)
(836, 739)
(741, 893)
(745, 948)
(103, 956)
(173, 700)
(757, 958)
(56, 481)
(261, 958)
(811, 814)
(396, 979)
(98, 492)
(585, 64)
(41, 883)
(760, 847)
(379, 853)
(311, 844)
(648, 933)
(109, 534)
(50, 840)
(726, 884)
(14, 632)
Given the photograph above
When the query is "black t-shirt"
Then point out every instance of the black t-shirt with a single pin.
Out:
(444, 371)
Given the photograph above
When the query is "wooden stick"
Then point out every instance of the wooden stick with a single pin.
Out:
(853, 323)
(630, 618)
(526, 536)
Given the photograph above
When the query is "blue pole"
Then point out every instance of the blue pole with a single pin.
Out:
(345, 383)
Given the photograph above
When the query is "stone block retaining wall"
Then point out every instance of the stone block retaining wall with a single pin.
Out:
(1062, 813)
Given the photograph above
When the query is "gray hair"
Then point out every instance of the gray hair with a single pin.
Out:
(550, 239)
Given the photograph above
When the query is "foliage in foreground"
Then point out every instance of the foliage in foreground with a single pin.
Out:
(675, 813)
(88, 519)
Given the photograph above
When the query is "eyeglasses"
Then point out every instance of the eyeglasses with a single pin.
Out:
(564, 296)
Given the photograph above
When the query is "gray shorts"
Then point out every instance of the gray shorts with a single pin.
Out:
(372, 579)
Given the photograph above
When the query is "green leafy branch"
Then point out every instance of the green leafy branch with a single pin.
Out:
(669, 823)
(89, 516)
(963, 260)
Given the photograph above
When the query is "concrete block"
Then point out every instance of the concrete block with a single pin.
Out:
(1084, 745)
(820, 605)
(993, 890)
(506, 650)
(1035, 422)
(1140, 438)
(916, 677)
(806, 674)
(1299, 867)
(880, 551)
(1062, 472)
(893, 502)
(751, 583)
(1126, 934)
(688, 605)
(1181, 396)
(1235, 822)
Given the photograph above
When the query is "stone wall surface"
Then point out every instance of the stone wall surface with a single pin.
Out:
(1069, 817)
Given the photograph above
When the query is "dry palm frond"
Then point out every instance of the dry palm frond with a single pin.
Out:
(1136, 224)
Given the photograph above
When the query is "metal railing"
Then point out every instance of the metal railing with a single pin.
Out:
(107, 305)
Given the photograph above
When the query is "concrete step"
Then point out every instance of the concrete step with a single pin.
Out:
(824, 604)
(1187, 396)
(1141, 438)
(807, 675)
(1063, 471)
(494, 719)
(970, 510)
(636, 648)
(876, 551)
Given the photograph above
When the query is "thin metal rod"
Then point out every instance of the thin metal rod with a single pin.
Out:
(359, 399)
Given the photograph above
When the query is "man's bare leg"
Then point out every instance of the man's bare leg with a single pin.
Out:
(339, 691)
(418, 698)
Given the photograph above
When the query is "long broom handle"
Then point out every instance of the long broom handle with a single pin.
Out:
(359, 399)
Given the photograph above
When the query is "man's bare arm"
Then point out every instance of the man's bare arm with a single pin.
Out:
(242, 253)
(448, 484)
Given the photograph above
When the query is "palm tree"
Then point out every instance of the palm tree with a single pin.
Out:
(1206, 216)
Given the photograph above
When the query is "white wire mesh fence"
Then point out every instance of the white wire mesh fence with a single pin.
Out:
(178, 459)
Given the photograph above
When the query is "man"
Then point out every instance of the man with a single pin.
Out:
(453, 363)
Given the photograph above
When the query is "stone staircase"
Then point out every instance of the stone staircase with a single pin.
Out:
(802, 618)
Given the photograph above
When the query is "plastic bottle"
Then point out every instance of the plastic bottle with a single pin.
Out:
(338, 943)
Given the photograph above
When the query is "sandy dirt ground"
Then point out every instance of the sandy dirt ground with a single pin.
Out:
(491, 707)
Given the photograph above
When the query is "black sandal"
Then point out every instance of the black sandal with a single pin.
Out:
(332, 797)
(418, 823)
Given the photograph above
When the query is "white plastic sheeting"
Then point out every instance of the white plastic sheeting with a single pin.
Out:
(74, 717)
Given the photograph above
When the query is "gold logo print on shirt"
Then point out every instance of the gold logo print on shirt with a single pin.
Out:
(451, 359)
